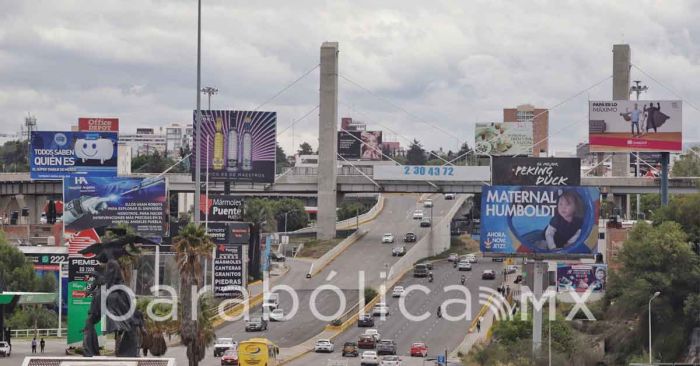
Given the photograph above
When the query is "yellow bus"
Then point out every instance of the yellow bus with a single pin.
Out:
(257, 352)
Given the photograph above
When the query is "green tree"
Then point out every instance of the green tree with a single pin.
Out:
(350, 209)
(685, 210)
(465, 154)
(688, 164)
(416, 154)
(192, 245)
(16, 272)
(155, 163)
(281, 158)
(260, 212)
(296, 216)
(305, 149)
(34, 317)
(14, 156)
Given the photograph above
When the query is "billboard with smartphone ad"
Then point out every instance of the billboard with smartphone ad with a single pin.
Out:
(237, 146)
(94, 202)
(545, 220)
(503, 138)
(629, 125)
(581, 277)
(526, 171)
(58, 154)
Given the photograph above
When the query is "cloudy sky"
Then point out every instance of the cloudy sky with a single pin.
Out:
(406, 66)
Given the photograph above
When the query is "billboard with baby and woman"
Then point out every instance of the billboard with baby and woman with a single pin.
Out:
(549, 221)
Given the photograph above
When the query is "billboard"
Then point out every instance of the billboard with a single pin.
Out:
(431, 172)
(526, 171)
(228, 270)
(94, 202)
(55, 155)
(80, 276)
(371, 148)
(581, 277)
(555, 221)
(237, 145)
(221, 208)
(503, 138)
(98, 124)
(628, 125)
(350, 144)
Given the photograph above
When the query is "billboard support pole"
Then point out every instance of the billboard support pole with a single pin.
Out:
(60, 300)
(537, 312)
(665, 157)
(198, 116)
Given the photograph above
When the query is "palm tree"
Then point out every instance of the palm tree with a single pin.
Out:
(260, 212)
(191, 246)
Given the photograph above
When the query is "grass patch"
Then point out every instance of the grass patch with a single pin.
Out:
(315, 248)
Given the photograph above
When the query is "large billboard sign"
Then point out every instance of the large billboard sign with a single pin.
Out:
(503, 138)
(628, 125)
(431, 173)
(237, 146)
(81, 273)
(98, 124)
(94, 202)
(526, 171)
(350, 144)
(581, 277)
(221, 208)
(55, 155)
(546, 220)
(371, 148)
(228, 270)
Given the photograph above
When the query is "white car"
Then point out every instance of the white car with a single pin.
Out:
(222, 345)
(418, 215)
(453, 257)
(449, 196)
(428, 203)
(277, 315)
(398, 291)
(323, 345)
(5, 349)
(464, 266)
(380, 309)
(388, 238)
(374, 333)
(511, 269)
(369, 358)
(471, 258)
(391, 361)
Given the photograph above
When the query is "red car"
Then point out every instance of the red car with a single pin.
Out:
(419, 349)
(230, 358)
(366, 341)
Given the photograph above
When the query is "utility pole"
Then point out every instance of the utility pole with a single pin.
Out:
(209, 91)
(638, 89)
(198, 119)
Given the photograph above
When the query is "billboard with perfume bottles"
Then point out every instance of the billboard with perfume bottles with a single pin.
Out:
(236, 146)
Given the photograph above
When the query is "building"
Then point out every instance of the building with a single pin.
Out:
(144, 142)
(393, 148)
(177, 136)
(539, 118)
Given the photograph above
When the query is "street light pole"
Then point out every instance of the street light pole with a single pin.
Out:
(656, 294)
(198, 118)
(209, 91)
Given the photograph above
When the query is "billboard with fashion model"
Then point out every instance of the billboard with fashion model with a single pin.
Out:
(236, 146)
(581, 277)
(547, 220)
(526, 171)
(57, 154)
(628, 125)
(371, 145)
(503, 138)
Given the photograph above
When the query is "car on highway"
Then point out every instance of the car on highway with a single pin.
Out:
(428, 203)
(449, 196)
(374, 334)
(386, 347)
(511, 269)
(277, 257)
(398, 291)
(464, 266)
(497, 259)
(222, 345)
(388, 238)
(488, 274)
(420, 270)
(365, 321)
(419, 349)
(366, 341)
(230, 358)
(5, 349)
(350, 349)
(453, 257)
(398, 251)
(271, 301)
(277, 315)
(369, 358)
(471, 258)
(425, 222)
(410, 238)
(391, 361)
(255, 324)
(323, 345)
(418, 215)
(380, 309)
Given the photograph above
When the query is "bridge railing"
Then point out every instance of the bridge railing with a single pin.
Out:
(29, 333)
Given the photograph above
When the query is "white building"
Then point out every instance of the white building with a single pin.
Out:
(176, 136)
(143, 142)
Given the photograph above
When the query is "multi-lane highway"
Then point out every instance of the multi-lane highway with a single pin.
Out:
(439, 334)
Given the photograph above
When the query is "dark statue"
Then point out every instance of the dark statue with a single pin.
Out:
(118, 303)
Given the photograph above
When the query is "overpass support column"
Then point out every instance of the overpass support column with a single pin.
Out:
(622, 62)
(327, 142)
